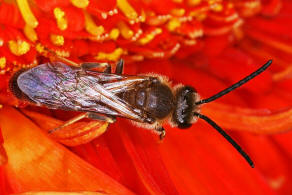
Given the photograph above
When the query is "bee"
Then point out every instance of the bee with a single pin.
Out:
(148, 100)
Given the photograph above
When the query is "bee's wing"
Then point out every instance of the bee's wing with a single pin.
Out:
(59, 86)
(47, 84)
(117, 83)
(126, 84)
(108, 97)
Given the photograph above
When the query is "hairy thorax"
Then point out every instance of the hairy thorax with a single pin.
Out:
(154, 98)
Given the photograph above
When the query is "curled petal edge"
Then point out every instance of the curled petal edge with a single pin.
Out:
(249, 120)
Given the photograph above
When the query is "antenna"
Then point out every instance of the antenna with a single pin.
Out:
(226, 136)
(236, 85)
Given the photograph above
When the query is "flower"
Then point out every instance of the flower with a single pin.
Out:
(207, 44)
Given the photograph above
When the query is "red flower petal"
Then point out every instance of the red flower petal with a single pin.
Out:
(198, 165)
(256, 121)
(146, 157)
(37, 163)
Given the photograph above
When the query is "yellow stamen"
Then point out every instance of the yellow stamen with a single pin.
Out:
(26, 13)
(30, 33)
(142, 18)
(63, 53)
(178, 12)
(40, 48)
(126, 32)
(127, 9)
(18, 47)
(1, 42)
(198, 15)
(80, 3)
(114, 34)
(113, 56)
(61, 18)
(149, 37)
(173, 24)
(193, 2)
(216, 7)
(91, 27)
(57, 40)
(2, 62)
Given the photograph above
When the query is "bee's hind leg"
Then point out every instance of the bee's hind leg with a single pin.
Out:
(96, 116)
(89, 115)
(91, 65)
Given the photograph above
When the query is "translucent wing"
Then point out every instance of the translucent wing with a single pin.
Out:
(62, 87)
(116, 83)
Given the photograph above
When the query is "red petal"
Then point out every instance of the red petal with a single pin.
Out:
(147, 160)
(37, 163)
(200, 161)
(243, 119)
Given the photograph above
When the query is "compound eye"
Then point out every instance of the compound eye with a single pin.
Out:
(183, 112)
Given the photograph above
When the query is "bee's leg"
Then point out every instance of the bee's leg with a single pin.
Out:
(52, 54)
(85, 66)
(67, 61)
(96, 116)
(82, 116)
(160, 130)
(120, 67)
(91, 65)
(69, 122)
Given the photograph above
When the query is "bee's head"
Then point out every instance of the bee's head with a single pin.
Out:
(183, 114)
(187, 105)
